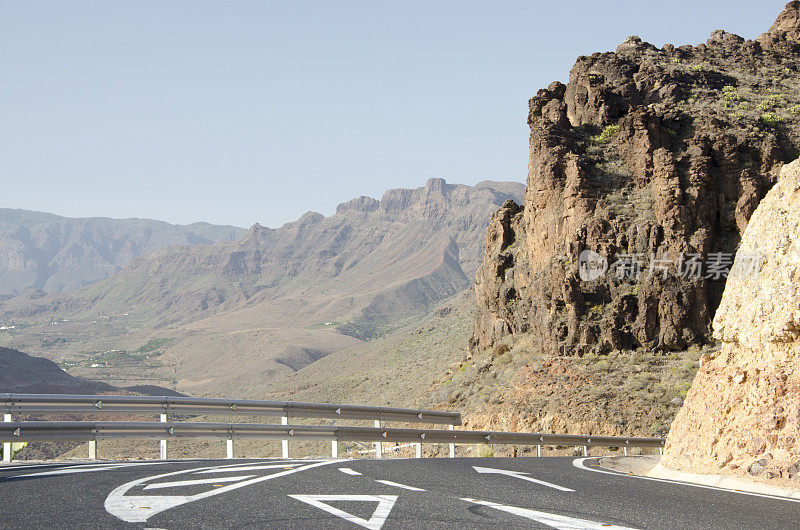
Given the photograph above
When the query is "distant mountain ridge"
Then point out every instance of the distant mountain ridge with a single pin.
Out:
(51, 254)
(279, 298)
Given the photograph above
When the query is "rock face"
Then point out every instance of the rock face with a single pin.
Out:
(648, 158)
(743, 410)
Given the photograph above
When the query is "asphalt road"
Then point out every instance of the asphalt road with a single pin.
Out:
(401, 493)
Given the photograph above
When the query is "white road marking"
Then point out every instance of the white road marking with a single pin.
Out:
(521, 475)
(33, 466)
(560, 522)
(398, 485)
(578, 463)
(159, 485)
(246, 468)
(348, 471)
(139, 508)
(84, 469)
(375, 522)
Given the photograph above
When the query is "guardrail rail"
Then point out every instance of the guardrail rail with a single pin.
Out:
(17, 431)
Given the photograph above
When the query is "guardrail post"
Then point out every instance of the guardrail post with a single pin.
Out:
(625, 451)
(7, 445)
(285, 442)
(418, 447)
(163, 443)
(661, 451)
(452, 446)
(539, 451)
(334, 449)
(585, 451)
(92, 449)
(378, 445)
(229, 448)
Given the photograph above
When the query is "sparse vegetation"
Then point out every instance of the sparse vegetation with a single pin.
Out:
(154, 344)
(770, 102)
(500, 349)
(607, 134)
(770, 119)
(729, 93)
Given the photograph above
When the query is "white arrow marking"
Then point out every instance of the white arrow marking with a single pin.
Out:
(246, 468)
(385, 505)
(560, 522)
(139, 508)
(398, 485)
(348, 471)
(520, 475)
(195, 482)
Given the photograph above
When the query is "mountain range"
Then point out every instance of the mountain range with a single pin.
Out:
(232, 314)
(42, 253)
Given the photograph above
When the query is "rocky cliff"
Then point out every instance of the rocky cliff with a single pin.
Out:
(644, 171)
(742, 414)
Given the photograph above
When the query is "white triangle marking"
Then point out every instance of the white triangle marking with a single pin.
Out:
(385, 505)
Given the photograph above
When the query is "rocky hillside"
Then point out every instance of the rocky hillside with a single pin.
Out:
(233, 315)
(22, 373)
(742, 414)
(644, 171)
(41, 253)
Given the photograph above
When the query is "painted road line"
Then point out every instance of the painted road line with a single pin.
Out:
(349, 471)
(195, 482)
(398, 485)
(521, 475)
(59, 465)
(247, 468)
(375, 522)
(139, 508)
(561, 522)
(579, 463)
(83, 469)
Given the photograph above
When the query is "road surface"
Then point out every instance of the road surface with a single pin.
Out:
(563, 493)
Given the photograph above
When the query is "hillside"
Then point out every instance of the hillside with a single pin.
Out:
(25, 374)
(46, 254)
(233, 315)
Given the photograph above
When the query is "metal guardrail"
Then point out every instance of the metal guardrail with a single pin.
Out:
(57, 403)
(87, 430)
(19, 431)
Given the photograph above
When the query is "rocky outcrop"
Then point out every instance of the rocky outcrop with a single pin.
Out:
(742, 414)
(644, 171)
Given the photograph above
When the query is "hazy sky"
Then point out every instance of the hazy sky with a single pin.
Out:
(257, 111)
